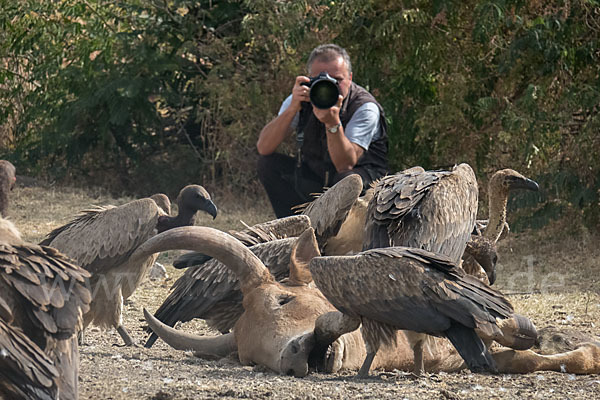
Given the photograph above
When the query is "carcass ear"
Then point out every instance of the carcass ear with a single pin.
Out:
(304, 250)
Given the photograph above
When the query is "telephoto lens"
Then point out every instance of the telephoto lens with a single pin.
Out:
(324, 91)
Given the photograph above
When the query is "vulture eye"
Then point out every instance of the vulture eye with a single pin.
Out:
(285, 298)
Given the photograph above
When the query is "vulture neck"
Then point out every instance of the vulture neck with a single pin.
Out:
(184, 218)
(498, 198)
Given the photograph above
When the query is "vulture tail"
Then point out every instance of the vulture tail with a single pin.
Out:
(151, 340)
(471, 348)
(190, 259)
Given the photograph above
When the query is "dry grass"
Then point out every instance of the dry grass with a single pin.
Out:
(551, 276)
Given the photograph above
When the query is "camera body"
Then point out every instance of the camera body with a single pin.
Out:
(324, 91)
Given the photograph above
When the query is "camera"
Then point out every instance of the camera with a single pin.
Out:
(324, 91)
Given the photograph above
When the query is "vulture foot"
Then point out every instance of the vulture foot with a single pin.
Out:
(128, 341)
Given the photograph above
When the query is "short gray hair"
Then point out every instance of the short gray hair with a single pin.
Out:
(329, 52)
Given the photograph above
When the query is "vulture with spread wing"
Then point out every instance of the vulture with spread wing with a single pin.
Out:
(210, 291)
(338, 216)
(103, 239)
(43, 296)
(412, 289)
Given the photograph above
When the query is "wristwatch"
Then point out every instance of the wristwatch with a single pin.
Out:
(334, 129)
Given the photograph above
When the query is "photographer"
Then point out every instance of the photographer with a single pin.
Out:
(333, 141)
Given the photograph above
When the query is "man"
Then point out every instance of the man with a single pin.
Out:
(348, 138)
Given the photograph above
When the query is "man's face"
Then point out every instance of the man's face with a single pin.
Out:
(336, 69)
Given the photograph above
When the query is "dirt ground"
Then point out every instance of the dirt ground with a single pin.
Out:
(551, 277)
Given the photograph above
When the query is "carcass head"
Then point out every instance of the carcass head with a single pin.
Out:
(285, 326)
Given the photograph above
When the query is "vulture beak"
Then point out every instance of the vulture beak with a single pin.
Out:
(520, 182)
(210, 208)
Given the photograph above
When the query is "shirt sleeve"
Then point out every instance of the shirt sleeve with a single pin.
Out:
(364, 126)
(286, 103)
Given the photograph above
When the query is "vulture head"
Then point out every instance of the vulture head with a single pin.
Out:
(505, 180)
(191, 199)
(485, 254)
(499, 186)
(286, 326)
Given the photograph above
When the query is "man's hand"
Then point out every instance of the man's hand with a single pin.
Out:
(300, 93)
(331, 116)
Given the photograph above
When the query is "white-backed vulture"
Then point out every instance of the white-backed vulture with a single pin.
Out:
(430, 210)
(210, 290)
(102, 240)
(481, 250)
(7, 182)
(399, 288)
(42, 296)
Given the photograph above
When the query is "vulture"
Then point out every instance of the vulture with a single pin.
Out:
(102, 240)
(43, 297)
(430, 210)
(480, 253)
(210, 291)
(395, 288)
(7, 182)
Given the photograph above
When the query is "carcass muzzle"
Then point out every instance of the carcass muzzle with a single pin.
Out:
(294, 357)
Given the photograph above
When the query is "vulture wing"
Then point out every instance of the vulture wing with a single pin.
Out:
(104, 237)
(53, 289)
(261, 233)
(25, 370)
(211, 291)
(328, 211)
(432, 210)
(409, 289)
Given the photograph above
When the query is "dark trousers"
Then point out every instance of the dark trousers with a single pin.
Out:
(276, 173)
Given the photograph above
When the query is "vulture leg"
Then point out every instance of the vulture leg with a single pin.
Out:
(372, 344)
(363, 372)
(418, 356)
(81, 338)
(416, 341)
(125, 336)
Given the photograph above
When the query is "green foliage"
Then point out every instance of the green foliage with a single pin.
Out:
(135, 86)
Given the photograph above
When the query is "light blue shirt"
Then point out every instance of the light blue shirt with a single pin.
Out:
(363, 128)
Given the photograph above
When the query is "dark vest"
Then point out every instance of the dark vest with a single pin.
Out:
(314, 148)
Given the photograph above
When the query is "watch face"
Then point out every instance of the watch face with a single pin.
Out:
(334, 129)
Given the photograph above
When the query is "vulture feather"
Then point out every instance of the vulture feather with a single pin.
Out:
(26, 372)
(102, 240)
(43, 297)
